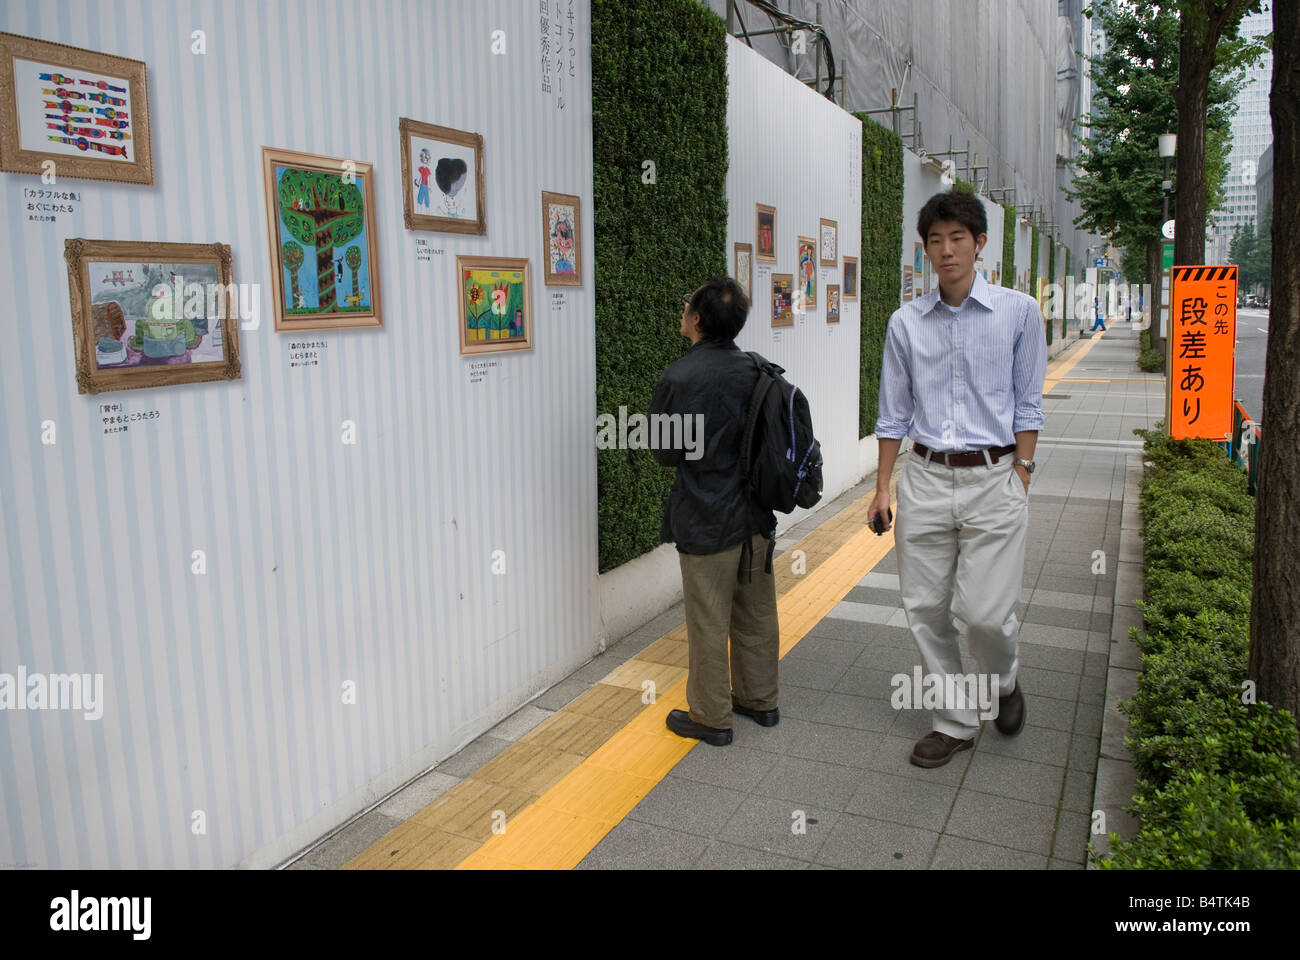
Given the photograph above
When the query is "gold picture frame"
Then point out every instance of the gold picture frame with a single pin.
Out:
(764, 233)
(159, 311)
(828, 243)
(448, 174)
(852, 278)
(806, 273)
(783, 296)
(483, 327)
(294, 222)
(832, 303)
(561, 215)
(96, 104)
(742, 267)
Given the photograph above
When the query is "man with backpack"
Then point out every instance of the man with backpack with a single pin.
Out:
(723, 532)
(962, 375)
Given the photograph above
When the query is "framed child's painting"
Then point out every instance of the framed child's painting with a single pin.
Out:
(320, 215)
(496, 312)
(832, 303)
(830, 243)
(743, 268)
(70, 112)
(442, 179)
(807, 261)
(765, 232)
(151, 314)
(850, 278)
(561, 230)
(783, 300)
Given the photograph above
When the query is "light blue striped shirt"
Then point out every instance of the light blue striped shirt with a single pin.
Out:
(964, 378)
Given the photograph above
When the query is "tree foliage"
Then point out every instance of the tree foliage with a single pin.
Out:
(1119, 190)
(1253, 252)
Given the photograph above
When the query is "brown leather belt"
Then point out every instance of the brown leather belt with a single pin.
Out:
(971, 458)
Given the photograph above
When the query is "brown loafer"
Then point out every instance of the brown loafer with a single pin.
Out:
(1011, 712)
(935, 749)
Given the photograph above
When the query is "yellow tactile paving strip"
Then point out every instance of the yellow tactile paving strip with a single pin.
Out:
(547, 800)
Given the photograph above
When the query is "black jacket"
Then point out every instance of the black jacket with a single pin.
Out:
(709, 508)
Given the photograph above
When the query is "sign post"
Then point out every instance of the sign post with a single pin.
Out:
(1200, 352)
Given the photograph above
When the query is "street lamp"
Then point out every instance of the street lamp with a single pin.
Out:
(1168, 144)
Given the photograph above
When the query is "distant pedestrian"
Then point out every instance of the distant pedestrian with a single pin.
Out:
(1100, 321)
(723, 536)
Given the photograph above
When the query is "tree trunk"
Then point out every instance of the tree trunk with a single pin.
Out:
(1275, 604)
(324, 271)
(1155, 254)
(1195, 61)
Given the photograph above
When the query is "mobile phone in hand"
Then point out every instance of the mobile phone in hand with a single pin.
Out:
(878, 522)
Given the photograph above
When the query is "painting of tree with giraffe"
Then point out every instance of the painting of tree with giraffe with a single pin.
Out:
(320, 212)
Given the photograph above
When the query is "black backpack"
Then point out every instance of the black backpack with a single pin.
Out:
(782, 458)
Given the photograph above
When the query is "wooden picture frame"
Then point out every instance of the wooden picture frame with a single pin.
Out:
(742, 268)
(806, 271)
(828, 243)
(445, 175)
(484, 328)
(832, 303)
(783, 293)
(39, 118)
(764, 233)
(852, 278)
(160, 329)
(294, 228)
(561, 225)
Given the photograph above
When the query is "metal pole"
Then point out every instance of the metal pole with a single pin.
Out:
(817, 82)
(731, 17)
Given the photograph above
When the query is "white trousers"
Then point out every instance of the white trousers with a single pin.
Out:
(960, 534)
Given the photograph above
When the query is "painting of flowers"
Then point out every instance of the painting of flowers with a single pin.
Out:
(495, 304)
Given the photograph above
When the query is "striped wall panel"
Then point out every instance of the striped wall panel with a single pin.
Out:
(326, 564)
(793, 149)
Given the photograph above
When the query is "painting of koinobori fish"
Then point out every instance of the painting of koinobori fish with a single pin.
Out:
(152, 314)
(72, 112)
(320, 214)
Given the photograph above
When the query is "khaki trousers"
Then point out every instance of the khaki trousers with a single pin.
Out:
(960, 534)
(717, 605)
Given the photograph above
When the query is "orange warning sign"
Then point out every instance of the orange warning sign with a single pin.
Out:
(1200, 354)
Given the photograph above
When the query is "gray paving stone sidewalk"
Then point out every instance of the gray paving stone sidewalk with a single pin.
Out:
(838, 761)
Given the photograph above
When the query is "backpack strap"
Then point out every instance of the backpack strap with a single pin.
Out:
(752, 414)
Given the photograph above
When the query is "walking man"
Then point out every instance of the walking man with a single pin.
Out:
(1101, 320)
(963, 377)
(724, 539)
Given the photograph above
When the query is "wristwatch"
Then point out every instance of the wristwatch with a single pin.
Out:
(1027, 464)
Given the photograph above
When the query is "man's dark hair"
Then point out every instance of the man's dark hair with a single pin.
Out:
(957, 205)
(722, 306)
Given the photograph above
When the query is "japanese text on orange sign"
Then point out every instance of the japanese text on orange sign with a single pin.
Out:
(1204, 301)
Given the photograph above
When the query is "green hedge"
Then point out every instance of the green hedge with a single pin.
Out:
(659, 92)
(1033, 272)
(1065, 315)
(881, 271)
(1217, 788)
(1152, 361)
(1009, 247)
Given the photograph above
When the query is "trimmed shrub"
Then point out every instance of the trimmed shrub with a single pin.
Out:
(659, 92)
(1217, 788)
(881, 273)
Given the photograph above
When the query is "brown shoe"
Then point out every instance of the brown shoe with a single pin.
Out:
(1011, 712)
(935, 749)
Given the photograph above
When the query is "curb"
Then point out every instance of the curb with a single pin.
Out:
(1116, 775)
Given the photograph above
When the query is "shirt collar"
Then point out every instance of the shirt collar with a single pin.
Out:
(979, 292)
